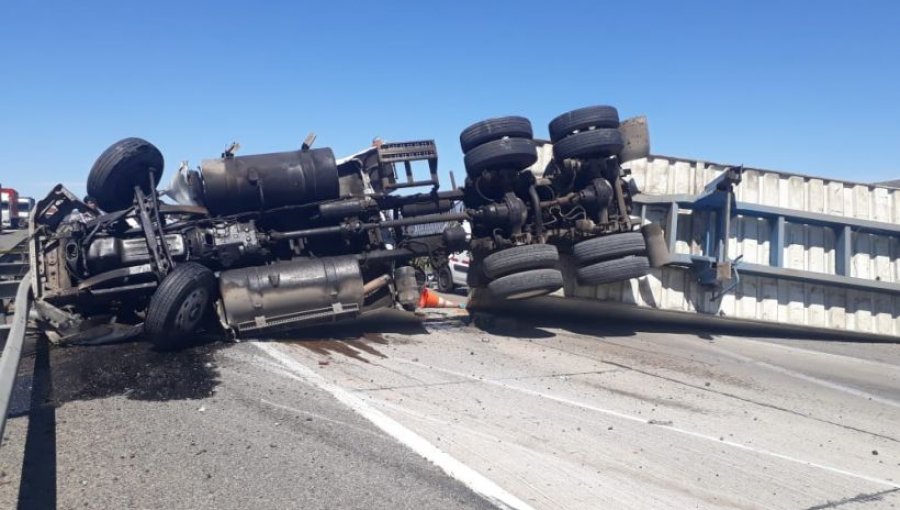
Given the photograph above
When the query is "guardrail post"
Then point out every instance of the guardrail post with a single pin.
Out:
(843, 250)
(776, 242)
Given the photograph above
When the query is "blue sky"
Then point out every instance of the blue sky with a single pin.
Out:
(811, 87)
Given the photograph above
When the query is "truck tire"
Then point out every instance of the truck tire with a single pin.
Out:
(582, 119)
(445, 280)
(588, 144)
(475, 277)
(512, 153)
(615, 270)
(608, 247)
(494, 129)
(527, 284)
(180, 306)
(124, 165)
(520, 258)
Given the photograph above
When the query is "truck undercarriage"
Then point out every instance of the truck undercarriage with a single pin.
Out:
(258, 243)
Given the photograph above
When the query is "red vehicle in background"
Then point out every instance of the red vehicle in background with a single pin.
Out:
(9, 198)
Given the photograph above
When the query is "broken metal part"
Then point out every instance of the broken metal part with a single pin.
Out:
(375, 284)
(121, 274)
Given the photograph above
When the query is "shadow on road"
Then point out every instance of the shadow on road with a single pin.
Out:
(37, 488)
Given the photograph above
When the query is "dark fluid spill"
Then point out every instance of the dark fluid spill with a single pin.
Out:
(356, 339)
(134, 370)
(355, 349)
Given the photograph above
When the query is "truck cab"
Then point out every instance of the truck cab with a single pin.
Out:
(26, 204)
(9, 205)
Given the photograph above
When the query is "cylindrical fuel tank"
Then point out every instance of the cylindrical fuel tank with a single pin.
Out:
(291, 293)
(260, 182)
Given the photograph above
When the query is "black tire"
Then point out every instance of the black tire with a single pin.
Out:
(527, 284)
(445, 280)
(475, 277)
(124, 165)
(608, 247)
(581, 119)
(616, 270)
(520, 258)
(494, 129)
(181, 305)
(588, 144)
(511, 153)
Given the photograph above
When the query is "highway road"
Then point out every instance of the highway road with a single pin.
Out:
(435, 411)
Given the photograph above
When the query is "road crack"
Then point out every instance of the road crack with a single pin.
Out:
(859, 498)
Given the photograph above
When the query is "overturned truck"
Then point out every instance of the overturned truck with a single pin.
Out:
(253, 244)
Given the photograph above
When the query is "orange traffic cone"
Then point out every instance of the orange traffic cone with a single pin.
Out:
(430, 299)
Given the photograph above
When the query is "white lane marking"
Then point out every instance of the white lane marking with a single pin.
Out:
(842, 358)
(813, 379)
(454, 468)
(625, 416)
(485, 455)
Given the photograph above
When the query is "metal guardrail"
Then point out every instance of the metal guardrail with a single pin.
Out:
(776, 249)
(718, 199)
(12, 351)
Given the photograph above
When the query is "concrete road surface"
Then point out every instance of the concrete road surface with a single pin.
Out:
(430, 412)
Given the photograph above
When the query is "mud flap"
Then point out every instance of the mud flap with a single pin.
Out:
(657, 250)
(636, 136)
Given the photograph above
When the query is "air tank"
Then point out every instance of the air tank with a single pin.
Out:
(261, 182)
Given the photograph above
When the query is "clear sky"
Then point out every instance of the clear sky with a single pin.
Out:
(811, 87)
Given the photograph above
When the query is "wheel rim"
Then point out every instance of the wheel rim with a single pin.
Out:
(192, 310)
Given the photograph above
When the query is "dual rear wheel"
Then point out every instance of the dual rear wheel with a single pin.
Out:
(523, 271)
(502, 143)
(611, 258)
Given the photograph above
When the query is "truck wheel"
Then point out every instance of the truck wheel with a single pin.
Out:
(527, 284)
(512, 153)
(124, 165)
(611, 246)
(520, 258)
(180, 306)
(494, 129)
(588, 144)
(582, 119)
(615, 270)
(445, 280)
(475, 277)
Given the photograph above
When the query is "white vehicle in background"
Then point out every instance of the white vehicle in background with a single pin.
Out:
(26, 204)
(455, 275)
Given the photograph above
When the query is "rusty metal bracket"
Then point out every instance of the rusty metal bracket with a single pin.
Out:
(151, 224)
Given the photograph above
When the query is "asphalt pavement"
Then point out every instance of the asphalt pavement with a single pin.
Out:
(219, 426)
(438, 411)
